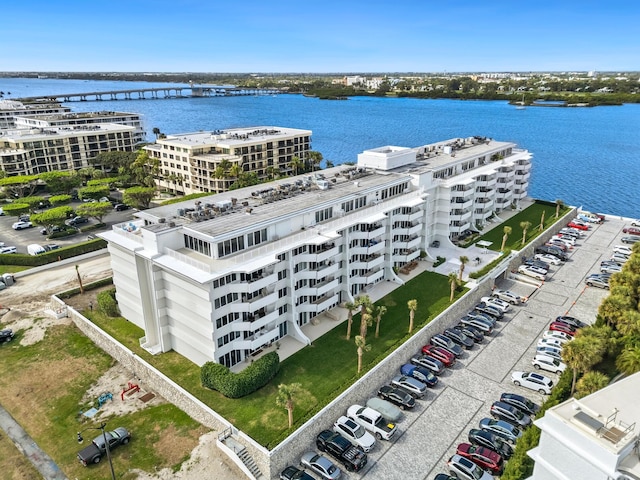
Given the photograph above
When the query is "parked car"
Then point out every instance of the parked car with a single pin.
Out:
(397, 396)
(547, 258)
(562, 327)
(550, 351)
(570, 242)
(497, 303)
(491, 441)
(98, 446)
(321, 465)
(482, 316)
(354, 432)
(444, 342)
(353, 458)
(630, 239)
(414, 387)
(631, 230)
(521, 403)
(508, 413)
(21, 225)
(471, 332)
(459, 338)
(528, 271)
(446, 357)
(559, 244)
(8, 249)
(419, 373)
(119, 207)
(373, 421)
(389, 411)
(72, 222)
(444, 476)
(552, 250)
(293, 473)
(550, 342)
(578, 225)
(573, 321)
(431, 363)
(619, 258)
(482, 456)
(623, 249)
(563, 337)
(502, 429)
(635, 223)
(489, 310)
(610, 268)
(50, 246)
(464, 468)
(532, 262)
(549, 363)
(599, 282)
(7, 334)
(573, 232)
(508, 296)
(481, 325)
(533, 381)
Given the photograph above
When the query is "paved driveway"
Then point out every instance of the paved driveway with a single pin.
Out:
(430, 433)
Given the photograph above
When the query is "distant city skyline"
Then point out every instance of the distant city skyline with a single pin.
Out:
(292, 36)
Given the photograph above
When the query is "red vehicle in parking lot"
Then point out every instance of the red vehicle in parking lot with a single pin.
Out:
(579, 226)
(631, 230)
(562, 327)
(482, 456)
(439, 353)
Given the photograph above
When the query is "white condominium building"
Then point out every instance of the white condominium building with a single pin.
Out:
(211, 161)
(221, 277)
(11, 110)
(29, 151)
(594, 438)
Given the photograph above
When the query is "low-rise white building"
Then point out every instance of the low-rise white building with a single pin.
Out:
(11, 110)
(221, 277)
(594, 438)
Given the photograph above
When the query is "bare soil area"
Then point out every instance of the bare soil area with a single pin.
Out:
(22, 308)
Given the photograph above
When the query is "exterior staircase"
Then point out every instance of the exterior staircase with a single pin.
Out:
(240, 455)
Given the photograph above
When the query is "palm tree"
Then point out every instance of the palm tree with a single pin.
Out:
(351, 307)
(524, 226)
(559, 205)
(413, 306)
(286, 397)
(613, 307)
(629, 323)
(629, 360)
(379, 312)
(366, 318)
(296, 164)
(463, 261)
(580, 355)
(235, 170)
(507, 231)
(542, 220)
(156, 132)
(591, 382)
(453, 283)
(361, 343)
(315, 158)
(79, 278)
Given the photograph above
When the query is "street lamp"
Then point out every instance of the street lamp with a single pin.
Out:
(106, 444)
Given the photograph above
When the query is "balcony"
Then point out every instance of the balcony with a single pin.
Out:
(257, 340)
(459, 228)
(411, 241)
(460, 216)
(488, 183)
(406, 255)
(319, 273)
(371, 249)
(371, 233)
(256, 303)
(319, 289)
(408, 217)
(408, 229)
(461, 204)
(320, 304)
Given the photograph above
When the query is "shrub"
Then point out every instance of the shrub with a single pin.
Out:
(439, 261)
(236, 385)
(89, 286)
(107, 303)
(52, 256)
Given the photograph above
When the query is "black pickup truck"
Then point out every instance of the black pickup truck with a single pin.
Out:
(353, 458)
(96, 450)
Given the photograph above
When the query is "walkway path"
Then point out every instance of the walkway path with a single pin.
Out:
(43, 462)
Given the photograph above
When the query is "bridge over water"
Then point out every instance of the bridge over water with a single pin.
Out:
(156, 93)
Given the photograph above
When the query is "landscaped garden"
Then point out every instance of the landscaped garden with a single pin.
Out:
(324, 369)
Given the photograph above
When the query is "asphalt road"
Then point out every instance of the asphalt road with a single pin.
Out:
(22, 238)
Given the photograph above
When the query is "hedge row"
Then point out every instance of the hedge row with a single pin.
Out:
(236, 385)
(87, 287)
(52, 256)
(107, 303)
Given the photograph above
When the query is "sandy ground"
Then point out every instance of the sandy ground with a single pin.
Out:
(22, 309)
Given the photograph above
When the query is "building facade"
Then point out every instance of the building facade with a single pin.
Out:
(593, 438)
(219, 278)
(11, 110)
(212, 161)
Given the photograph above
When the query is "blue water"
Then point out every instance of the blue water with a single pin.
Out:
(584, 156)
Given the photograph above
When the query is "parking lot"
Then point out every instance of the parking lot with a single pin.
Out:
(431, 432)
(22, 238)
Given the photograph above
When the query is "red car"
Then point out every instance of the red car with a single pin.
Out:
(562, 327)
(439, 353)
(482, 456)
(579, 226)
(631, 230)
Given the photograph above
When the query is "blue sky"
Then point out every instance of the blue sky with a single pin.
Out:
(327, 36)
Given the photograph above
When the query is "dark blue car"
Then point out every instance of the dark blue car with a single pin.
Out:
(419, 373)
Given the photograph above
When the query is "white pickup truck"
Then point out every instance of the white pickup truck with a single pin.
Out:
(372, 421)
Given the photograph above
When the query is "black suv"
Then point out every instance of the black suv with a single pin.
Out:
(551, 250)
(121, 206)
(490, 441)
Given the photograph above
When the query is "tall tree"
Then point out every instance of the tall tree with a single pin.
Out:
(296, 164)
(542, 220)
(96, 210)
(235, 170)
(413, 306)
(524, 226)
(580, 355)
(613, 307)
(366, 319)
(95, 192)
(591, 382)
(316, 159)
(79, 278)
(507, 231)
(629, 360)
(463, 261)
(286, 398)
(156, 132)
(453, 284)
(559, 205)
(61, 182)
(139, 197)
(361, 343)
(53, 216)
(351, 307)
(379, 312)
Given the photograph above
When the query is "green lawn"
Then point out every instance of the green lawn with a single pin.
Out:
(325, 369)
(12, 268)
(532, 214)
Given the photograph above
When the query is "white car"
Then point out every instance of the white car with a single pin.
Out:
(551, 342)
(553, 352)
(21, 225)
(508, 296)
(545, 362)
(570, 241)
(545, 257)
(496, 303)
(623, 249)
(619, 258)
(532, 381)
(532, 272)
(573, 232)
(354, 432)
(563, 337)
(635, 223)
(465, 469)
(10, 249)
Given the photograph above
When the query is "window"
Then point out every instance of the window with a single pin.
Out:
(323, 215)
(230, 246)
(256, 238)
(198, 245)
